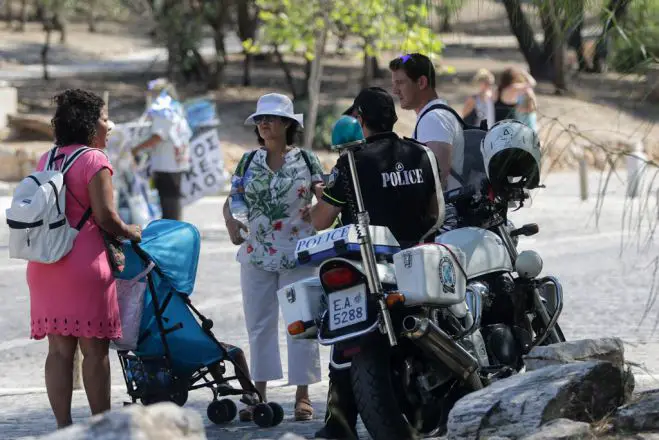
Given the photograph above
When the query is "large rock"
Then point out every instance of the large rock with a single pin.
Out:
(562, 429)
(606, 349)
(519, 405)
(640, 415)
(652, 76)
(164, 421)
(8, 103)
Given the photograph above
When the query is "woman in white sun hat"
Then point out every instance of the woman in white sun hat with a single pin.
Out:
(278, 181)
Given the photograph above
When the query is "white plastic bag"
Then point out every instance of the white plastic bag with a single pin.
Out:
(130, 295)
(139, 209)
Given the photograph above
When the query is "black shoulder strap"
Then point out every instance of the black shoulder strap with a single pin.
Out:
(307, 160)
(84, 219)
(465, 126)
(249, 159)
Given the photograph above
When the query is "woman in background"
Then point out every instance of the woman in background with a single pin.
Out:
(515, 98)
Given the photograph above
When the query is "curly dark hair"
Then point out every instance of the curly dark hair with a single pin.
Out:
(76, 117)
(293, 133)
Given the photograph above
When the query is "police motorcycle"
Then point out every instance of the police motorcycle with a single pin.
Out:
(420, 328)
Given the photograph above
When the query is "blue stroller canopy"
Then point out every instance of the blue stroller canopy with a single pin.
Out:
(174, 247)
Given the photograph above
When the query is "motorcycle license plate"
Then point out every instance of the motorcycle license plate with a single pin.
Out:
(347, 307)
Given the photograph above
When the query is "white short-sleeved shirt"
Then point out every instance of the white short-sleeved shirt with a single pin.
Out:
(171, 155)
(442, 126)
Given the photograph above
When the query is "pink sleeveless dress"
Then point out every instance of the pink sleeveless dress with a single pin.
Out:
(76, 296)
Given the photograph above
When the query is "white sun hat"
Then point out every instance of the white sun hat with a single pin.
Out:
(277, 105)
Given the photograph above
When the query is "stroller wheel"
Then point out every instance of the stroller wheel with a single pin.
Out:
(152, 399)
(221, 411)
(180, 397)
(277, 413)
(263, 415)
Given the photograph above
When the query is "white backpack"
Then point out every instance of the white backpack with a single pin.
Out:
(38, 228)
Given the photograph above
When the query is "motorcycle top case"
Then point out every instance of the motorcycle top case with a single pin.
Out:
(431, 274)
(303, 301)
(343, 242)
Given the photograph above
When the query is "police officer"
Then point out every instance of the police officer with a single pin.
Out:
(401, 188)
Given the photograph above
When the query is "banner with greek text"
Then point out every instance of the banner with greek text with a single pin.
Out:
(206, 175)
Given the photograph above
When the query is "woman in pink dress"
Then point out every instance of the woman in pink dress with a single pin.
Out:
(74, 301)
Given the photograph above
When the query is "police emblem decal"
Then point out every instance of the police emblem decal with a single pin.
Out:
(290, 295)
(399, 166)
(331, 180)
(407, 260)
(447, 274)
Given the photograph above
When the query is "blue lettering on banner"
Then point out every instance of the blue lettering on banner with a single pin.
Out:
(322, 239)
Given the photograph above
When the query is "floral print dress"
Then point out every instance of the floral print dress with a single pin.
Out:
(276, 200)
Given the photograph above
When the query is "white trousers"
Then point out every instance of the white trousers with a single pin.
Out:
(262, 320)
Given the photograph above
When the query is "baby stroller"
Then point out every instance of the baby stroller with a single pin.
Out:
(174, 353)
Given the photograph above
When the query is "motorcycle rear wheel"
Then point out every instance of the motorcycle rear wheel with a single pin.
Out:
(378, 401)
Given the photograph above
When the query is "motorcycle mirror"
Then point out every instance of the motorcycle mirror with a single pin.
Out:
(526, 230)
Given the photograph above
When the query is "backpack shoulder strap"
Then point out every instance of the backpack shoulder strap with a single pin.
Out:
(307, 160)
(75, 156)
(52, 158)
(464, 125)
(450, 109)
(250, 157)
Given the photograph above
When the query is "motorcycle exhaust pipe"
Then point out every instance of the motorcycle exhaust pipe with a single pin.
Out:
(441, 347)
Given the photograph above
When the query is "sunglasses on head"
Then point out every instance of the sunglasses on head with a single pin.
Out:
(405, 58)
(265, 118)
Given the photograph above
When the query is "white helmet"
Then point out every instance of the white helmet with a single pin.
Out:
(511, 155)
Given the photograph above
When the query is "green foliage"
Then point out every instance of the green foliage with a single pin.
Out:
(635, 41)
(380, 24)
(289, 25)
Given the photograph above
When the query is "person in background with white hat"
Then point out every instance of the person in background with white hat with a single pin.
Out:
(278, 183)
(169, 144)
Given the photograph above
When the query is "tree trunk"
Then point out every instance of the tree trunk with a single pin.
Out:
(287, 72)
(445, 25)
(314, 82)
(247, 69)
(619, 9)
(575, 40)
(247, 27)
(45, 49)
(39, 11)
(59, 23)
(554, 46)
(367, 64)
(217, 77)
(533, 52)
(377, 73)
(9, 15)
(23, 23)
(91, 21)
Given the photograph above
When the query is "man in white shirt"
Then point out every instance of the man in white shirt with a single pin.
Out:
(413, 79)
(168, 144)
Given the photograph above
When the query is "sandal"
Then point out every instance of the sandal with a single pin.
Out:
(303, 410)
(247, 414)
